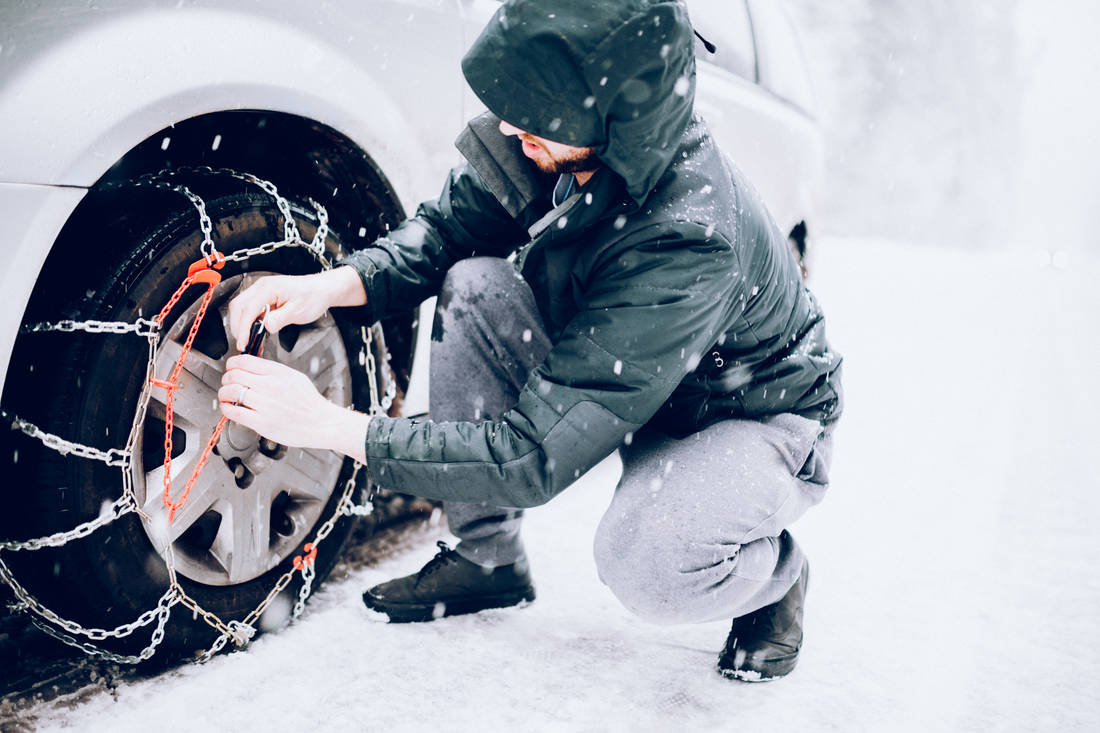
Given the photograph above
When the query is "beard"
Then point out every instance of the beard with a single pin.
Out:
(578, 162)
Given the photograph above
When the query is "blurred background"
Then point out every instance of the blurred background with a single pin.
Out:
(971, 124)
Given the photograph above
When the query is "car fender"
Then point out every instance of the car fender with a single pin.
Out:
(152, 68)
(743, 119)
(30, 214)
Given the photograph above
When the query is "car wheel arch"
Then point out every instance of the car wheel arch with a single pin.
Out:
(302, 157)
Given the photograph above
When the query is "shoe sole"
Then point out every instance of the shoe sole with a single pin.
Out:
(405, 613)
(767, 672)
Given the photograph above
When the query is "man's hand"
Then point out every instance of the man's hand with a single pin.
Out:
(293, 299)
(282, 405)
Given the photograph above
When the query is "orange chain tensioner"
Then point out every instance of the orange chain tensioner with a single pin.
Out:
(205, 272)
(301, 562)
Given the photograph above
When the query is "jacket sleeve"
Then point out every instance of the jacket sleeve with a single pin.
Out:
(614, 365)
(407, 266)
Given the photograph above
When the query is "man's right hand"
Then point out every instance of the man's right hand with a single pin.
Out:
(296, 299)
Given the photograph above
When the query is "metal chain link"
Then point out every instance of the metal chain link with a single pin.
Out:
(320, 236)
(349, 508)
(112, 457)
(239, 632)
(290, 227)
(155, 180)
(367, 334)
(141, 327)
(308, 574)
(92, 650)
(32, 604)
(291, 234)
(123, 505)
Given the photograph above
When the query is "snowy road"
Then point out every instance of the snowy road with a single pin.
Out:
(954, 588)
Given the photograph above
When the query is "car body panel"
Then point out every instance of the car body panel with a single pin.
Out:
(156, 66)
(788, 173)
(81, 85)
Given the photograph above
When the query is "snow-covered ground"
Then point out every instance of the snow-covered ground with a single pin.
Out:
(955, 584)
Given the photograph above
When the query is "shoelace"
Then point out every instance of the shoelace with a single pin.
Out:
(445, 556)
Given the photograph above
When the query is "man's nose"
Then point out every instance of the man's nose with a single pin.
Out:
(509, 129)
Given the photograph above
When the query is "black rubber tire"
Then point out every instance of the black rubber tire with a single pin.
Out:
(94, 381)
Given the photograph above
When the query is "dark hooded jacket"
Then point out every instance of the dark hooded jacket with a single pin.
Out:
(671, 298)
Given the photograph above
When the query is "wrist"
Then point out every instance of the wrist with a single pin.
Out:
(345, 286)
(345, 431)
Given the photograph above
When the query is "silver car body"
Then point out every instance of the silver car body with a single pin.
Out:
(82, 83)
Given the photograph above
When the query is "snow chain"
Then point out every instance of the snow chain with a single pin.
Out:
(238, 632)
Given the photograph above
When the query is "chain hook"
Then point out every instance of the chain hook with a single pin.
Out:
(311, 554)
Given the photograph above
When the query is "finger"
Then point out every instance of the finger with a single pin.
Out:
(239, 309)
(279, 315)
(248, 306)
(240, 415)
(254, 365)
(240, 377)
(236, 394)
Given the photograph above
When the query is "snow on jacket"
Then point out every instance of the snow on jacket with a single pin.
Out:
(671, 298)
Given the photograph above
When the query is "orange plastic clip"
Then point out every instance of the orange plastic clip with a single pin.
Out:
(311, 555)
(203, 271)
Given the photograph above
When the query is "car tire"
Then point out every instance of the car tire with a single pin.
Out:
(87, 389)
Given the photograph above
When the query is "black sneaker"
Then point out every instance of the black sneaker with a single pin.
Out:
(763, 645)
(450, 585)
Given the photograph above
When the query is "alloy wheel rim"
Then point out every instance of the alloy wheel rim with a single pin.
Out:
(255, 501)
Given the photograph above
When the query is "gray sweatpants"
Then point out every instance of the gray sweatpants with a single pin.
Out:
(696, 528)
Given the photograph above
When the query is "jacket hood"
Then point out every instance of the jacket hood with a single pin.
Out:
(617, 76)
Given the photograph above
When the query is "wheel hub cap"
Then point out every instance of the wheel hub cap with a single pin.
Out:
(255, 501)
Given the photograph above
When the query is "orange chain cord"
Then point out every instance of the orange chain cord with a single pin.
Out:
(203, 271)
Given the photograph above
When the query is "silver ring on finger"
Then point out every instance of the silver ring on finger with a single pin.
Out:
(240, 397)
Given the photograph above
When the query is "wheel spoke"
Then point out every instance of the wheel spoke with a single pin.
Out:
(196, 400)
(241, 545)
(312, 353)
(192, 440)
(306, 478)
(203, 368)
(223, 314)
(181, 465)
(212, 485)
